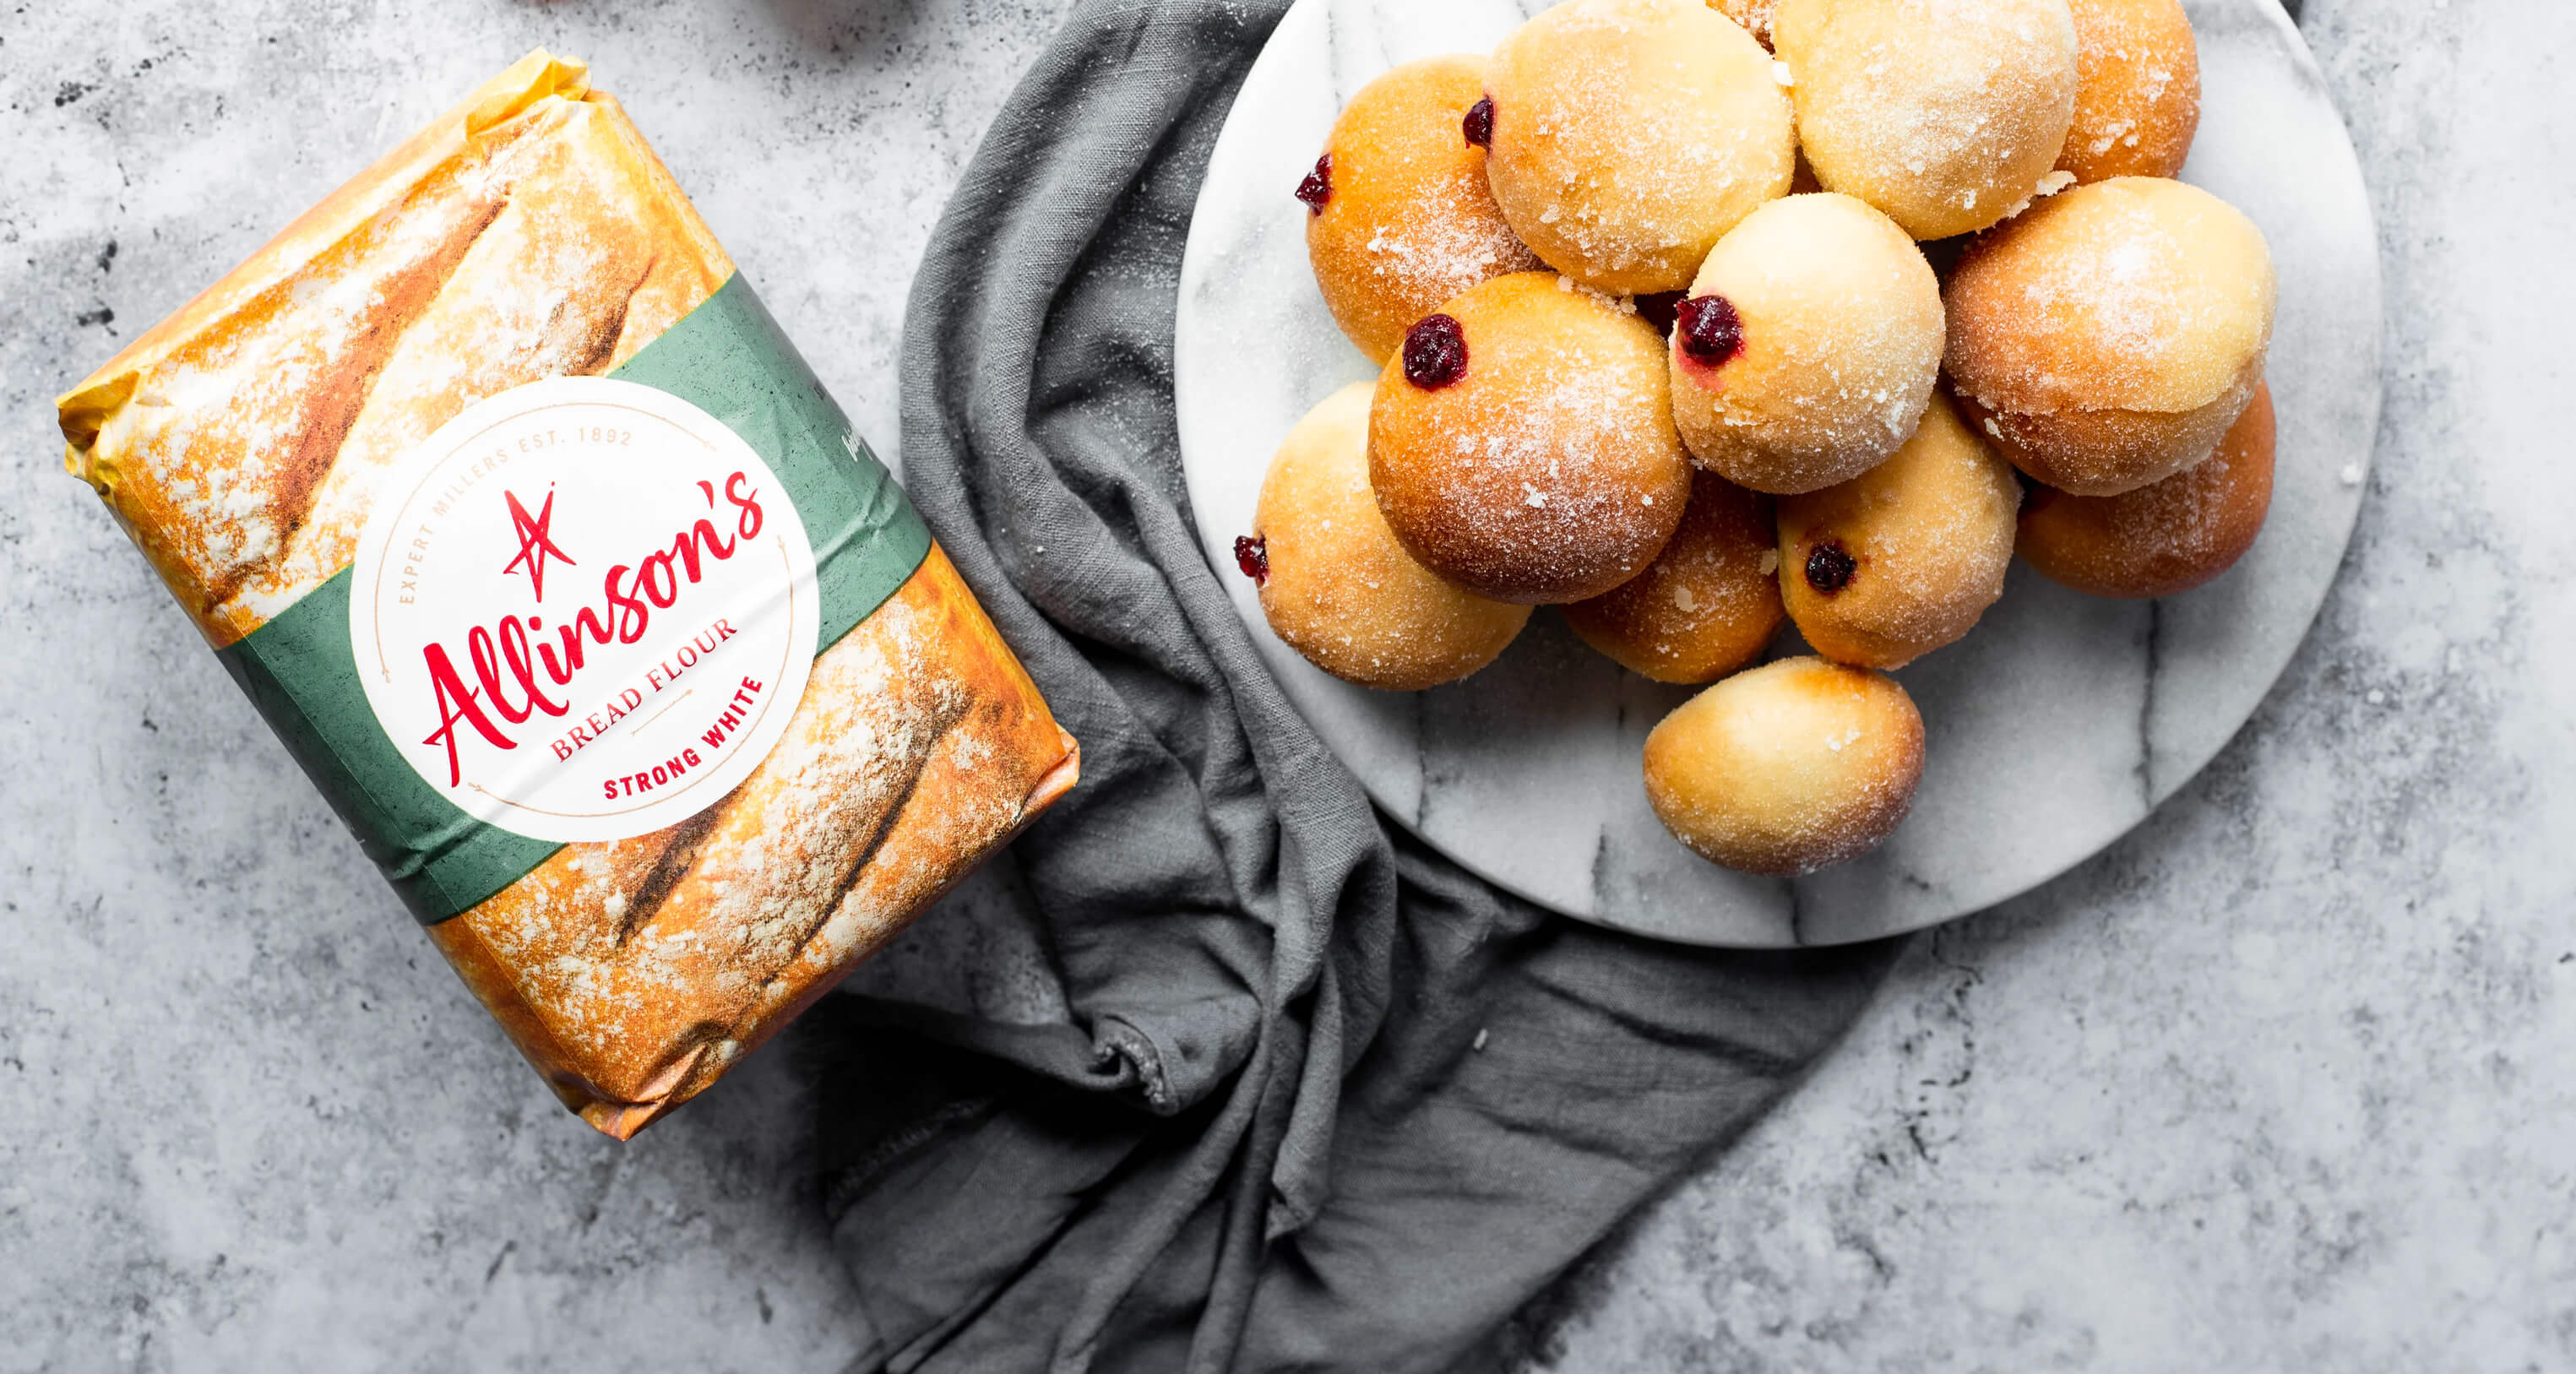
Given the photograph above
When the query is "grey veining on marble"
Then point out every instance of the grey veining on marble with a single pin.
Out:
(2284, 1080)
(2054, 728)
(2281, 1081)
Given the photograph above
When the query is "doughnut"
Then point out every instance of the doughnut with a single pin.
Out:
(2137, 93)
(1754, 15)
(1707, 605)
(1522, 443)
(1399, 215)
(1802, 178)
(1788, 768)
(1808, 346)
(1630, 134)
(1889, 566)
(2108, 337)
(2165, 538)
(1334, 583)
(1947, 116)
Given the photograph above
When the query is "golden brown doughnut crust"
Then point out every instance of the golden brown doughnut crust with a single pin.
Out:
(2137, 99)
(2107, 452)
(2109, 336)
(2166, 538)
(1409, 221)
(529, 233)
(1630, 134)
(1914, 550)
(1338, 589)
(1550, 471)
(1840, 327)
(1708, 605)
(1946, 116)
(1789, 768)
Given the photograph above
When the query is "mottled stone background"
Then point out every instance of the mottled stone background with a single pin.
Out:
(2284, 1081)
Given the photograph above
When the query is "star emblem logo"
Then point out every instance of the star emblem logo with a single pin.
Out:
(536, 540)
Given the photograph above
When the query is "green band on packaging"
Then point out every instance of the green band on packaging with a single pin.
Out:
(729, 358)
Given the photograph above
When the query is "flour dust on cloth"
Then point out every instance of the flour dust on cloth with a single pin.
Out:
(1324, 1101)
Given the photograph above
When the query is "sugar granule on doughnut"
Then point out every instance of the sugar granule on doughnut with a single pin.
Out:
(1399, 214)
(2108, 337)
(2137, 97)
(1788, 768)
(1334, 583)
(1522, 443)
(1630, 134)
(2164, 538)
(1708, 605)
(1905, 558)
(1808, 345)
(1946, 114)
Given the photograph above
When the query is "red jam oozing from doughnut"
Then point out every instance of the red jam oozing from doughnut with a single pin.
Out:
(1479, 124)
(1830, 568)
(1317, 189)
(1711, 332)
(1435, 352)
(1253, 556)
(1660, 310)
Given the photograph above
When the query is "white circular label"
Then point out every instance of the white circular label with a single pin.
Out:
(584, 609)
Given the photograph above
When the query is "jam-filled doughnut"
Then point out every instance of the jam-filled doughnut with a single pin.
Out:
(1708, 604)
(1522, 442)
(1905, 558)
(1630, 134)
(2107, 338)
(1334, 583)
(1788, 768)
(1399, 214)
(1807, 346)
(2164, 538)
(2137, 97)
(1947, 116)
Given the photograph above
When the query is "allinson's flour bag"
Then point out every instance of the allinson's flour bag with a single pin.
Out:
(507, 503)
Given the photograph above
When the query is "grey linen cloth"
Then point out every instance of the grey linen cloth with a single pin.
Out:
(1325, 1102)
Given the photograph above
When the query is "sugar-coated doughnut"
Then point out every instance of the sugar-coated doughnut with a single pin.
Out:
(1630, 134)
(1400, 217)
(1522, 442)
(2107, 338)
(1334, 583)
(2165, 538)
(1754, 15)
(1802, 178)
(1708, 605)
(2137, 98)
(1807, 347)
(1788, 768)
(1946, 114)
(1897, 562)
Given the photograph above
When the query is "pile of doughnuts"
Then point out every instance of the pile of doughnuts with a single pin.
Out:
(1663, 342)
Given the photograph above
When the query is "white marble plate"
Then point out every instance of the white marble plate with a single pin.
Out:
(2055, 727)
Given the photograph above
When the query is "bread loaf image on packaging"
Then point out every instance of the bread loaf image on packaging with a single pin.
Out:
(514, 512)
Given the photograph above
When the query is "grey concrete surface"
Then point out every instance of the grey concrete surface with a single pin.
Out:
(248, 1119)
(2283, 1082)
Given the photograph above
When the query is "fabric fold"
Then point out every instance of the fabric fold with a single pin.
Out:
(1326, 1101)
